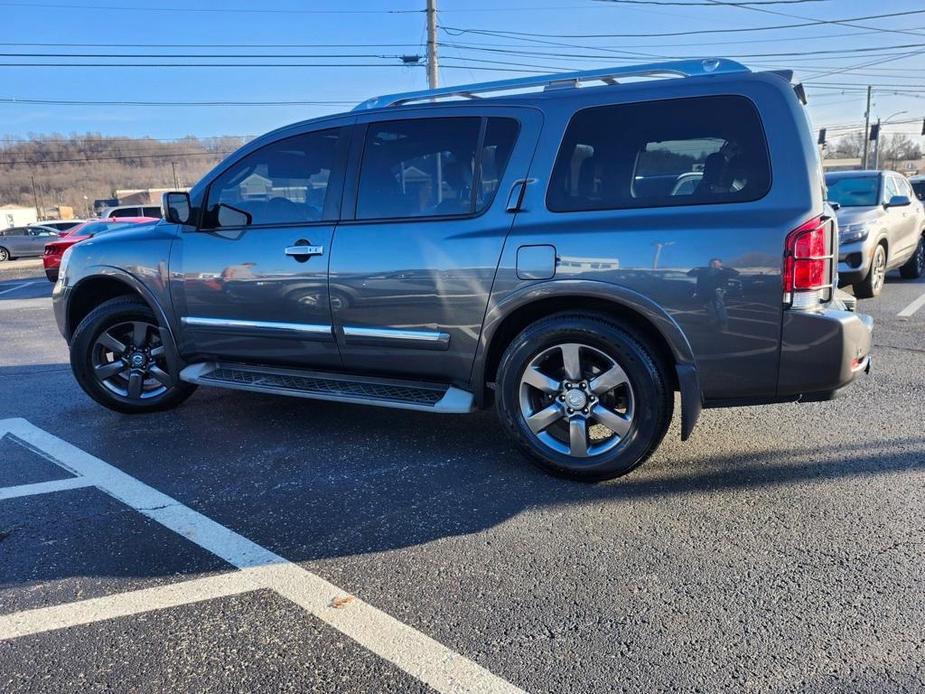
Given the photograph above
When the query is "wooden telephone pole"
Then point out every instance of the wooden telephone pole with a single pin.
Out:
(433, 69)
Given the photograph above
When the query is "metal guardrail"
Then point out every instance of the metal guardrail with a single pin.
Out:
(610, 75)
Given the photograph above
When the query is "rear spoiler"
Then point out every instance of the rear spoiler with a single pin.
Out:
(797, 88)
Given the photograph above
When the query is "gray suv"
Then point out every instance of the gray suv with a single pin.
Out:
(881, 227)
(572, 250)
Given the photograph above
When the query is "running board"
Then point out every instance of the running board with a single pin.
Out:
(406, 395)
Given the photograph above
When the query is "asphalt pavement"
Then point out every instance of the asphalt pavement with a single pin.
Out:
(244, 542)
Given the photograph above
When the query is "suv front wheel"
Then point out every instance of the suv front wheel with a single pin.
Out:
(585, 398)
(119, 360)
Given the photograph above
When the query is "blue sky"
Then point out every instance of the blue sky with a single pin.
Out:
(290, 28)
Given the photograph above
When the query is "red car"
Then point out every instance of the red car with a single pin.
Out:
(54, 250)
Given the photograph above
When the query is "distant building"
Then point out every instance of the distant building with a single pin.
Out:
(141, 196)
(16, 216)
(841, 164)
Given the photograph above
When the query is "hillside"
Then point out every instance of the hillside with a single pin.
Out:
(67, 168)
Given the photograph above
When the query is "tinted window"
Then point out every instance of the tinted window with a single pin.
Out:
(635, 155)
(418, 168)
(429, 167)
(151, 212)
(126, 212)
(853, 191)
(285, 182)
(919, 188)
(500, 137)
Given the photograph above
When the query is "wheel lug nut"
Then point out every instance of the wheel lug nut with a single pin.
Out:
(585, 411)
(561, 398)
(584, 385)
(570, 410)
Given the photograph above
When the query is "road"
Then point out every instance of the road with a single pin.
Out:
(243, 542)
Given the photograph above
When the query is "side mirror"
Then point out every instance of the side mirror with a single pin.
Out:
(177, 207)
(899, 201)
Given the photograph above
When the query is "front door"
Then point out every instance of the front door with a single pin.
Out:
(251, 283)
(411, 273)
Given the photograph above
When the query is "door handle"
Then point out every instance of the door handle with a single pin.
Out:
(515, 198)
(304, 251)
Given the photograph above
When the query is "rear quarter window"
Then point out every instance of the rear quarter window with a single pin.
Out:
(697, 151)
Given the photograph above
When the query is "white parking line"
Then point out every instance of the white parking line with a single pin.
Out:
(72, 614)
(912, 308)
(412, 651)
(18, 286)
(43, 488)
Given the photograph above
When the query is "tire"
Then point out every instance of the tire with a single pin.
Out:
(915, 266)
(4, 254)
(143, 384)
(872, 285)
(639, 406)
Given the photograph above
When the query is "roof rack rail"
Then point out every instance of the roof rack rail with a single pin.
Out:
(678, 68)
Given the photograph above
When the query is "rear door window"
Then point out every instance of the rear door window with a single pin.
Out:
(433, 167)
(152, 212)
(697, 151)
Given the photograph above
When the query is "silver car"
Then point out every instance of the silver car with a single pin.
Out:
(21, 242)
(881, 224)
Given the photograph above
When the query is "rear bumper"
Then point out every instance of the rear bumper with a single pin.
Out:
(52, 274)
(822, 352)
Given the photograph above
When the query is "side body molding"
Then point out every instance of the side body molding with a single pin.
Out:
(500, 308)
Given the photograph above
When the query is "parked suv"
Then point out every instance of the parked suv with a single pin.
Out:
(131, 211)
(532, 251)
(881, 227)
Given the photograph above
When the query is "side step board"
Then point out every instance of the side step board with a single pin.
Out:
(406, 395)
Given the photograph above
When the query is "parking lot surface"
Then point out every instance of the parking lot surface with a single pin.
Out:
(243, 542)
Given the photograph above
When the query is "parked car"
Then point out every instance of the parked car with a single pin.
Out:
(440, 227)
(61, 225)
(918, 186)
(54, 250)
(881, 227)
(131, 211)
(24, 242)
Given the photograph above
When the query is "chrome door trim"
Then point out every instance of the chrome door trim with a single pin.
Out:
(417, 339)
(300, 331)
(303, 251)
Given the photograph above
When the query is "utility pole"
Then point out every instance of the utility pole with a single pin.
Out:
(866, 130)
(433, 69)
(35, 197)
(176, 183)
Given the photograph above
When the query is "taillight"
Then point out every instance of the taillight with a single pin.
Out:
(808, 261)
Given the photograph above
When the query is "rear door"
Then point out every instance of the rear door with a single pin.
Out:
(424, 226)
(251, 283)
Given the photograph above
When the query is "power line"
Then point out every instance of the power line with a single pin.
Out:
(203, 10)
(820, 22)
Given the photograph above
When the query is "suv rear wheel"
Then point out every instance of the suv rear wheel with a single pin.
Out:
(915, 266)
(584, 397)
(119, 360)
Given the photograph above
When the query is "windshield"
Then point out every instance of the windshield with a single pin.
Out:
(853, 191)
(98, 228)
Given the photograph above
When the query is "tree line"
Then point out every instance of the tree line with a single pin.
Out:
(77, 169)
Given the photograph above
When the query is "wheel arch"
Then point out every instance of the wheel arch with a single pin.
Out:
(516, 311)
(110, 283)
